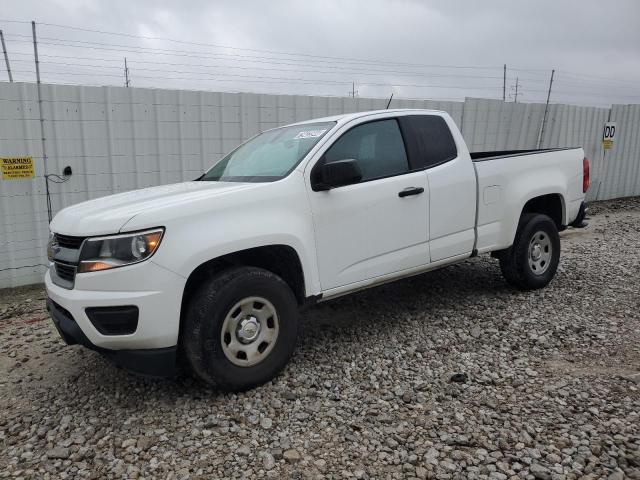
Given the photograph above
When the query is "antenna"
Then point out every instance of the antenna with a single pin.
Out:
(390, 98)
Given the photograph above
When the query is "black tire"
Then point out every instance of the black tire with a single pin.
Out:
(515, 261)
(201, 334)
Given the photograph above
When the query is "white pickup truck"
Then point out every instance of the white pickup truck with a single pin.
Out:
(214, 271)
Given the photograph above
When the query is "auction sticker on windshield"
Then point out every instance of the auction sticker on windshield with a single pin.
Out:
(309, 134)
(17, 168)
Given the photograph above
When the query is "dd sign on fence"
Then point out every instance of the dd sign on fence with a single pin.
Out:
(608, 135)
(17, 168)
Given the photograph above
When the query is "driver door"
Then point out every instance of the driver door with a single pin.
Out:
(379, 225)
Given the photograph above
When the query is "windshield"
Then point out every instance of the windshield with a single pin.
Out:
(269, 156)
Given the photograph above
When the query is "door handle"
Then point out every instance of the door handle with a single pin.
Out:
(410, 191)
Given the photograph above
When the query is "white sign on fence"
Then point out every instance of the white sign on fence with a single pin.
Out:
(608, 135)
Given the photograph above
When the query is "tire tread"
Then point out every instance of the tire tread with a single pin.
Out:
(513, 263)
(196, 319)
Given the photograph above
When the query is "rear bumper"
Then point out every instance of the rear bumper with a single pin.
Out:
(582, 213)
(152, 362)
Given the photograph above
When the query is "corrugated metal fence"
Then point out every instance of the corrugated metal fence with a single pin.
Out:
(117, 139)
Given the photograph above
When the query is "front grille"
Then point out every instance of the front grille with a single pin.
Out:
(67, 241)
(66, 272)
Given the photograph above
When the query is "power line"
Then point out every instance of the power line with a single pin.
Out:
(317, 58)
(587, 87)
(583, 75)
(233, 57)
(265, 78)
(591, 87)
(410, 74)
(333, 58)
(570, 83)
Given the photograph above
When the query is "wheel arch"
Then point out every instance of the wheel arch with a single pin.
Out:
(550, 204)
(283, 260)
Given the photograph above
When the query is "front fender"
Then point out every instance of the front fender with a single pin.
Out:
(276, 213)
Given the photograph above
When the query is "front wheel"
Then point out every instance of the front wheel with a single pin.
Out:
(240, 328)
(533, 259)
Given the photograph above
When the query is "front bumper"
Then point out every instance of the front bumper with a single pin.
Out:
(156, 293)
(154, 362)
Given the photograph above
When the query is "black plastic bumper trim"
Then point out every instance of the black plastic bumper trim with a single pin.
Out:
(152, 362)
(118, 320)
(579, 221)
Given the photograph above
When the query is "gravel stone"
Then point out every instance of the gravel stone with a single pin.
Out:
(552, 386)
(291, 455)
(268, 462)
(145, 443)
(266, 423)
(59, 452)
(244, 451)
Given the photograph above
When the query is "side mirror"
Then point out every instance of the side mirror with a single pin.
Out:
(337, 174)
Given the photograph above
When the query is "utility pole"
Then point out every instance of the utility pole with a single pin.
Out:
(35, 54)
(126, 73)
(515, 98)
(550, 84)
(42, 136)
(6, 57)
(546, 110)
(353, 90)
(504, 83)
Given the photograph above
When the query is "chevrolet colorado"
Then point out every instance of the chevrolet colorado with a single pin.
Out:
(213, 271)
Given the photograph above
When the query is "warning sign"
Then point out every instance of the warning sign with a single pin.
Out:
(17, 168)
(608, 135)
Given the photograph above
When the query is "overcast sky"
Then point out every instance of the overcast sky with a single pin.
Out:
(415, 49)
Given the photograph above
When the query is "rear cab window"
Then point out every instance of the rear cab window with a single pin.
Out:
(428, 139)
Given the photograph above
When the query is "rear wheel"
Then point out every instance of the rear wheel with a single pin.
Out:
(240, 328)
(533, 259)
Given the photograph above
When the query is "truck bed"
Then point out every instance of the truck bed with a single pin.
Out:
(503, 177)
(482, 156)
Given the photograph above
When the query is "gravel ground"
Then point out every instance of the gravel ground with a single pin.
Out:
(451, 374)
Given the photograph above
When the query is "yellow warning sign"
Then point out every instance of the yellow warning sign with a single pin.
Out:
(608, 135)
(17, 168)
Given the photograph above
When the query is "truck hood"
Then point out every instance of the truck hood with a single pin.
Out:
(107, 215)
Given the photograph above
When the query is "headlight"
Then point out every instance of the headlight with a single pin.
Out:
(103, 253)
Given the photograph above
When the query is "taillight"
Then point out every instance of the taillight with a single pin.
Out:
(585, 175)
